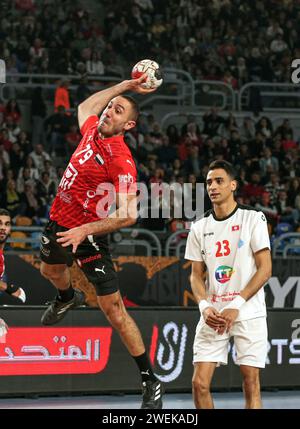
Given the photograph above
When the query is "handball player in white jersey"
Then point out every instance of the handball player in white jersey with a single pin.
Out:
(231, 243)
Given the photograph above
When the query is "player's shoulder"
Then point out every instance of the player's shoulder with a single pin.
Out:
(252, 213)
(199, 223)
(247, 208)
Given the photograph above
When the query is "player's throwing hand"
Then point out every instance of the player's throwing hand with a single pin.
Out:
(73, 237)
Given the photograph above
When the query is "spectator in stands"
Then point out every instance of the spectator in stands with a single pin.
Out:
(288, 142)
(258, 145)
(13, 129)
(191, 119)
(16, 158)
(11, 199)
(212, 122)
(293, 191)
(82, 91)
(165, 153)
(36, 50)
(95, 66)
(29, 163)
(278, 45)
(12, 111)
(4, 140)
(46, 189)
(193, 163)
(194, 135)
(253, 190)
(4, 162)
(264, 126)
(24, 143)
(284, 129)
(156, 134)
(273, 187)
(287, 213)
(24, 176)
(62, 96)
(247, 130)
(268, 160)
(39, 156)
(267, 208)
(241, 72)
(72, 139)
(57, 126)
(172, 133)
(230, 80)
(229, 125)
(48, 168)
(38, 115)
(30, 204)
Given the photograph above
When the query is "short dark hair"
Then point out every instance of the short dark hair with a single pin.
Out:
(4, 212)
(225, 165)
(134, 106)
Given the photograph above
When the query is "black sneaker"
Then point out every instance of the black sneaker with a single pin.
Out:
(152, 395)
(57, 309)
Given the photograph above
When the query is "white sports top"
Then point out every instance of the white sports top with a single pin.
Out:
(227, 248)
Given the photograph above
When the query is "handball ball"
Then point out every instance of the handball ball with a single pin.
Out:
(154, 79)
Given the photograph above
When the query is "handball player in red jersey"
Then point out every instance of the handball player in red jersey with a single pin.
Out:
(5, 229)
(78, 230)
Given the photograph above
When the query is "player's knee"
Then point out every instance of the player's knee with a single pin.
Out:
(50, 273)
(116, 316)
(200, 385)
(251, 383)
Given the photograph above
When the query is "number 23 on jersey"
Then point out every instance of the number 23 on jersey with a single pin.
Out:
(223, 248)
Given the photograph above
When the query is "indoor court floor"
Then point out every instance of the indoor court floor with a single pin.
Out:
(225, 400)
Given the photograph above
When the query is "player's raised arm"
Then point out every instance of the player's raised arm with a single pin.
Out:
(97, 102)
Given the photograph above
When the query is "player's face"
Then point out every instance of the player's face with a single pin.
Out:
(5, 228)
(220, 186)
(116, 118)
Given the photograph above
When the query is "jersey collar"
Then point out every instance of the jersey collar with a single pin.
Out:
(224, 218)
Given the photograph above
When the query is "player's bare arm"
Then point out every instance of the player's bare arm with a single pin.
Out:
(211, 316)
(97, 102)
(123, 217)
(263, 263)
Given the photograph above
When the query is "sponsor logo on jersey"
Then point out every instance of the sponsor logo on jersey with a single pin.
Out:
(223, 273)
(68, 177)
(125, 178)
(235, 227)
(89, 259)
(208, 234)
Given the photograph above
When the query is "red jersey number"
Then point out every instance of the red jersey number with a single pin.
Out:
(223, 248)
(87, 153)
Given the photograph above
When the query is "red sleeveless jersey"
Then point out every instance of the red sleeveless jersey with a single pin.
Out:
(94, 163)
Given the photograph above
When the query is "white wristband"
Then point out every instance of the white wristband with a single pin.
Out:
(203, 304)
(236, 303)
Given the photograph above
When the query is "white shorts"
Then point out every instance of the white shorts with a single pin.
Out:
(250, 340)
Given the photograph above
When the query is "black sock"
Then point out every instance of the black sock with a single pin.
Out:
(65, 295)
(10, 289)
(145, 368)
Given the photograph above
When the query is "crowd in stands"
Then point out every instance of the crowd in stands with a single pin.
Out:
(267, 159)
(229, 40)
(232, 41)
